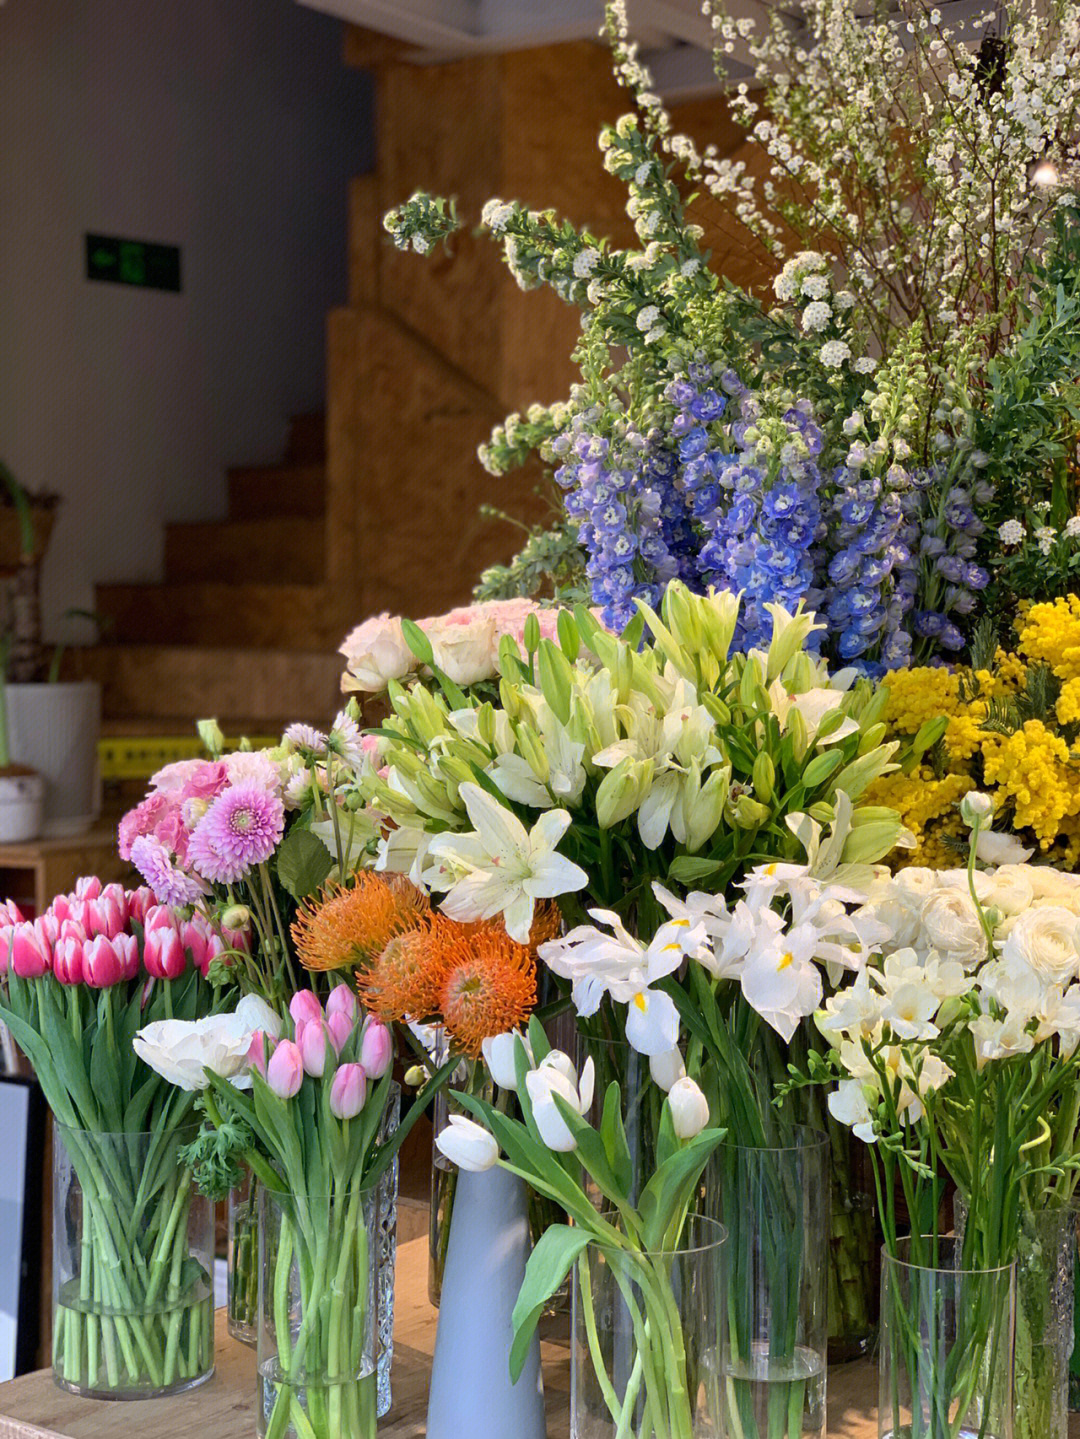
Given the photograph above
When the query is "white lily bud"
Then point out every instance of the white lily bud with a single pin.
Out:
(689, 1108)
(467, 1144)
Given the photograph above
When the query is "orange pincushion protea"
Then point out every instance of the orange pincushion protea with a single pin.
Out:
(489, 987)
(403, 981)
(349, 926)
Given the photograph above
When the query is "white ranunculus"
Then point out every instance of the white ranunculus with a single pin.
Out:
(500, 1053)
(375, 653)
(993, 847)
(465, 649)
(1044, 940)
(549, 1079)
(1011, 892)
(181, 1051)
(468, 1145)
(950, 924)
(917, 880)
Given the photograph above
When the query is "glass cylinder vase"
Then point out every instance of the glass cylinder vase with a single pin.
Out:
(648, 1330)
(774, 1203)
(243, 1259)
(1044, 1323)
(133, 1246)
(946, 1346)
(317, 1332)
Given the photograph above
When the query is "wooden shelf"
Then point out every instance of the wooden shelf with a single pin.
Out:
(33, 1407)
(36, 872)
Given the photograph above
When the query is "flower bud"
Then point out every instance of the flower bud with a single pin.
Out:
(415, 1076)
(341, 1029)
(377, 1050)
(89, 887)
(689, 1108)
(164, 956)
(259, 1051)
(666, 1069)
(343, 1000)
(237, 916)
(304, 1007)
(30, 952)
(348, 1091)
(68, 960)
(467, 1144)
(313, 1040)
(139, 902)
(103, 964)
(285, 1070)
(975, 808)
(195, 936)
(500, 1056)
(159, 916)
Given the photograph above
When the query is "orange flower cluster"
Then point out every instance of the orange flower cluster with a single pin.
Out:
(414, 963)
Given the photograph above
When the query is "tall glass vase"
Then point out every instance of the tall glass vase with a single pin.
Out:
(774, 1203)
(243, 1259)
(648, 1330)
(1044, 1323)
(133, 1244)
(317, 1335)
(946, 1348)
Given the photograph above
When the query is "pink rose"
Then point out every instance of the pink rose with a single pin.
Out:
(375, 653)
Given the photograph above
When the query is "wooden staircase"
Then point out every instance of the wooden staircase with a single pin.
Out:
(240, 629)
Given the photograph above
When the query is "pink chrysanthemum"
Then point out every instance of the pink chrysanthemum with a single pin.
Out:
(170, 884)
(239, 830)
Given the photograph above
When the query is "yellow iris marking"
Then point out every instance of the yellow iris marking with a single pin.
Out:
(641, 1002)
(771, 870)
(787, 961)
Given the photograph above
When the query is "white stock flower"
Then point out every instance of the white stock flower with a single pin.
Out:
(181, 1051)
(501, 867)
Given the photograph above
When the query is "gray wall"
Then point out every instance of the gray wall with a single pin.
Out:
(229, 127)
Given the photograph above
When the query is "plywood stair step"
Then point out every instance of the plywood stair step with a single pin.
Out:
(229, 683)
(277, 491)
(278, 616)
(285, 550)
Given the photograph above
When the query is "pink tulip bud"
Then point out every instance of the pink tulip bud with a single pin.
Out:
(139, 902)
(7, 934)
(119, 895)
(159, 916)
(285, 1070)
(195, 937)
(238, 939)
(163, 954)
(127, 947)
(313, 1041)
(216, 948)
(89, 887)
(259, 1050)
(104, 916)
(10, 913)
(30, 954)
(72, 929)
(343, 1001)
(102, 962)
(348, 1091)
(341, 1029)
(377, 1050)
(68, 965)
(47, 929)
(304, 1006)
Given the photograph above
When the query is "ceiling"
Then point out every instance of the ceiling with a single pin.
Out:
(674, 36)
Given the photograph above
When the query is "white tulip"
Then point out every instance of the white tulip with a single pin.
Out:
(181, 1051)
(468, 1145)
(666, 1068)
(551, 1079)
(500, 1056)
(689, 1108)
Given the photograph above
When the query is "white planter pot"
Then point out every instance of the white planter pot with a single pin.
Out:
(54, 729)
(21, 803)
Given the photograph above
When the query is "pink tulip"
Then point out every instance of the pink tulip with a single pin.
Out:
(313, 1041)
(7, 934)
(257, 1053)
(348, 1091)
(30, 955)
(285, 1070)
(159, 916)
(377, 1050)
(163, 954)
(341, 1029)
(47, 929)
(127, 947)
(68, 964)
(139, 902)
(195, 937)
(72, 929)
(103, 964)
(89, 887)
(104, 916)
(120, 896)
(343, 1001)
(239, 939)
(215, 949)
(10, 912)
(304, 1006)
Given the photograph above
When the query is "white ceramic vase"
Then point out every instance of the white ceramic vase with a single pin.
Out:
(21, 800)
(471, 1393)
(54, 728)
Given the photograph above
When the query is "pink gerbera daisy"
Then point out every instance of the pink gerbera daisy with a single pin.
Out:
(240, 830)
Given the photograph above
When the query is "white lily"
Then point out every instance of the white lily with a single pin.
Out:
(501, 868)
(813, 705)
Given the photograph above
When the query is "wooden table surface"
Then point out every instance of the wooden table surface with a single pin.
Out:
(34, 1408)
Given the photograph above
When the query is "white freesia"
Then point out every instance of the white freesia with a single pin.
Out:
(1044, 939)
(556, 1075)
(181, 1051)
(501, 868)
(500, 1056)
(689, 1108)
(468, 1145)
(848, 1105)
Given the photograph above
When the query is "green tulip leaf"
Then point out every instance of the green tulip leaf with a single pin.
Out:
(549, 1264)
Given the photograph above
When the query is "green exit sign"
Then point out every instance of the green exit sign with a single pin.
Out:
(133, 262)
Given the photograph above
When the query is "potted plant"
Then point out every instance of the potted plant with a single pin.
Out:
(52, 726)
